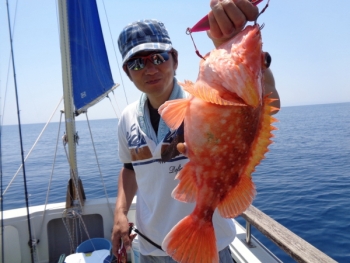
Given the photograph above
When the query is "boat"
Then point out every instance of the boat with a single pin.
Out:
(52, 232)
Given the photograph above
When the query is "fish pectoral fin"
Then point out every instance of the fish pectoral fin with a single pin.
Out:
(191, 241)
(238, 199)
(186, 190)
(173, 112)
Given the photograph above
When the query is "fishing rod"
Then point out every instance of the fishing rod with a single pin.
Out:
(1, 186)
(30, 242)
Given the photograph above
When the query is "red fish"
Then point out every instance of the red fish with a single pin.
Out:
(227, 126)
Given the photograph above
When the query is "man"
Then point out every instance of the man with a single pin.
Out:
(150, 61)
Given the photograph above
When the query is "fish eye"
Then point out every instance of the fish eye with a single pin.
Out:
(267, 59)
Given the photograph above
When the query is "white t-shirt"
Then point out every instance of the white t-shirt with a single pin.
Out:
(156, 211)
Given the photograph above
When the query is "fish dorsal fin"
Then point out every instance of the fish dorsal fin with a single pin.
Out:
(173, 112)
(202, 91)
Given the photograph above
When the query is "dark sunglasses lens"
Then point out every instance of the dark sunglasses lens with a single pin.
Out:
(139, 63)
(160, 58)
(135, 64)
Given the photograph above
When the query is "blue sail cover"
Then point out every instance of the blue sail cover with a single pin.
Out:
(91, 74)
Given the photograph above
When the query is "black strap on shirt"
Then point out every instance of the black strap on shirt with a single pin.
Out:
(154, 116)
(129, 166)
(148, 240)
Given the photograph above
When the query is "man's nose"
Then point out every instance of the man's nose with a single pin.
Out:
(150, 67)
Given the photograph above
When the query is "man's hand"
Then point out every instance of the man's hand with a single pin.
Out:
(182, 148)
(228, 17)
(120, 234)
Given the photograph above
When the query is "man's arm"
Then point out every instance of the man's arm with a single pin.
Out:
(127, 188)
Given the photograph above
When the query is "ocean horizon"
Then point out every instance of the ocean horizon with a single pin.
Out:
(303, 183)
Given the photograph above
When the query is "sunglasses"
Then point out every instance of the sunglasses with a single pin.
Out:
(138, 63)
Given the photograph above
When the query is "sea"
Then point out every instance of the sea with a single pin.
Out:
(303, 183)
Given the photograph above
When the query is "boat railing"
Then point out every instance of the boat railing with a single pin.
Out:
(296, 247)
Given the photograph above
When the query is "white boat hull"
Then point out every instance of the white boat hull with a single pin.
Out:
(53, 239)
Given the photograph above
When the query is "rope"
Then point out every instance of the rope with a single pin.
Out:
(99, 168)
(35, 143)
(115, 53)
(75, 216)
(68, 229)
(116, 114)
(51, 176)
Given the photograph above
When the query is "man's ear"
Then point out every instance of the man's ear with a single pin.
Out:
(175, 57)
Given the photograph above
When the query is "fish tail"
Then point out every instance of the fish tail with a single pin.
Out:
(192, 241)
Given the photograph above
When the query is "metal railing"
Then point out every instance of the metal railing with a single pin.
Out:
(296, 247)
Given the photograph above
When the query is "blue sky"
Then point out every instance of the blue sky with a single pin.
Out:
(308, 42)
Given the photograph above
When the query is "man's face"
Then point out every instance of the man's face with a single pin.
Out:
(154, 80)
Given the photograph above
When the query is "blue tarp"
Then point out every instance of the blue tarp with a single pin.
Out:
(91, 73)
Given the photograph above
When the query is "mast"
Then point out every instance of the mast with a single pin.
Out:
(75, 192)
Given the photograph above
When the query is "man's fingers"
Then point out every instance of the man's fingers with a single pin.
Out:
(115, 244)
(181, 147)
(220, 23)
(132, 237)
(250, 11)
(228, 17)
(235, 15)
(126, 241)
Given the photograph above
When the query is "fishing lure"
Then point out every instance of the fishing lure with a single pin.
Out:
(203, 25)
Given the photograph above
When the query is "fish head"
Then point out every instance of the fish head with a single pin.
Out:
(235, 70)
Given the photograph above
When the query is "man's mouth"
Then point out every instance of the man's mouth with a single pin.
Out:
(153, 81)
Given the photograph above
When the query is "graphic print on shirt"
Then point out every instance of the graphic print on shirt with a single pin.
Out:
(170, 142)
(137, 144)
